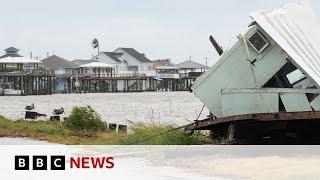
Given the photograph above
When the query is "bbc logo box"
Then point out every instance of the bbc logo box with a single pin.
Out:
(21, 162)
(39, 162)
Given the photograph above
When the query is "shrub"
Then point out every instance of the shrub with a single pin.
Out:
(85, 119)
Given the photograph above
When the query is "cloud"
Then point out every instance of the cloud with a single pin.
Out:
(160, 29)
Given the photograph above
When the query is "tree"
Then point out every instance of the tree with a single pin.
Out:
(95, 44)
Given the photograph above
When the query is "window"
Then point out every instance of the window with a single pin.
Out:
(258, 42)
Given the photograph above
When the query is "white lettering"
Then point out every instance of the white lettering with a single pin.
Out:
(39, 162)
(55, 163)
(22, 162)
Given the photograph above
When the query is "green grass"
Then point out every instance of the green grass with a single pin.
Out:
(57, 132)
(158, 134)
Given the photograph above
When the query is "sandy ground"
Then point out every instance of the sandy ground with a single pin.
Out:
(263, 168)
(160, 107)
(246, 162)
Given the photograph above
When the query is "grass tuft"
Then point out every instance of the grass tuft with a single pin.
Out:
(85, 119)
(57, 132)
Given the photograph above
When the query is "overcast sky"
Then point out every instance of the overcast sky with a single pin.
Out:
(174, 29)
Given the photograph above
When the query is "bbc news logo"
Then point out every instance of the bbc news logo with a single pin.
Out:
(41, 162)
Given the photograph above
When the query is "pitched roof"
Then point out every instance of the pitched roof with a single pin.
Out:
(191, 65)
(162, 62)
(83, 61)
(10, 55)
(140, 57)
(11, 49)
(22, 60)
(113, 55)
(11, 52)
(57, 62)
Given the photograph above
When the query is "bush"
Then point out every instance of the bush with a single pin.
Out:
(85, 119)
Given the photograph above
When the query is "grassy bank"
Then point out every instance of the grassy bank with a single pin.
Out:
(57, 132)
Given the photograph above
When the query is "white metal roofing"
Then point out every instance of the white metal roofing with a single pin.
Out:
(97, 64)
(15, 60)
(295, 28)
(191, 65)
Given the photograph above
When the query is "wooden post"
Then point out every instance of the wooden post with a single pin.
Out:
(231, 132)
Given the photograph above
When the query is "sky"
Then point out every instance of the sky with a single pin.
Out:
(174, 29)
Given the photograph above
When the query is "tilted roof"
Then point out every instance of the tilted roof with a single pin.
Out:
(295, 28)
(57, 62)
(191, 65)
(140, 57)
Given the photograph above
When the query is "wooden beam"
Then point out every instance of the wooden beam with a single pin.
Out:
(207, 124)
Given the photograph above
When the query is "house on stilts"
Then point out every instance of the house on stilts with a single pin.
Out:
(23, 76)
(64, 71)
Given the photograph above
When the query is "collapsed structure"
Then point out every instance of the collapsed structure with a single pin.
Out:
(271, 73)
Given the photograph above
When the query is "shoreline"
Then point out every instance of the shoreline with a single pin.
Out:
(57, 132)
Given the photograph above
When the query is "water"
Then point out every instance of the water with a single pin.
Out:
(160, 107)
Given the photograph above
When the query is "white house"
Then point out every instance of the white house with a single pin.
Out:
(191, 69)
(110, 58)
(96, 69)
(167, 72)
(127, 61)
(135, 61)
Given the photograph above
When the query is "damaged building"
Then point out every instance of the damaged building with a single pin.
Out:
(267, 84)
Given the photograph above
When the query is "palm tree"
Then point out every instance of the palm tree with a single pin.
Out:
(95, 44)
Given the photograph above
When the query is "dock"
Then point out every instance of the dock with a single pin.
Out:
(34, 83)
(127, 70)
